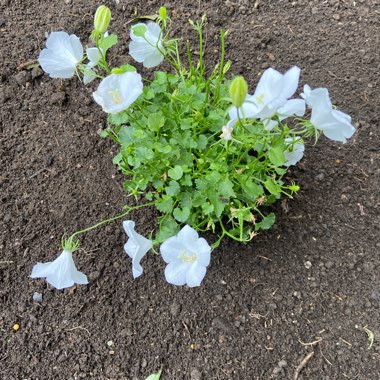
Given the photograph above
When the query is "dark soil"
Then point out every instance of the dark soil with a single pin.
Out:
(262, 307)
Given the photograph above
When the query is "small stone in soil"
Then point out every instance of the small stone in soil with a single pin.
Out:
(307, 264)
(195, 374)
(37, 297)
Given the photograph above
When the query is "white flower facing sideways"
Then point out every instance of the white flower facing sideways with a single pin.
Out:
(271, 97)
(146, 46)
(61, 56)
(187, 256)
(117, 92)
(94, 56)
(294, 152)
(335, 124)
(60, 273)
(136, 247)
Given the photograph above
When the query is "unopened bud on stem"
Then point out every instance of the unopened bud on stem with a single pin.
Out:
(238, 91)
(102, 19)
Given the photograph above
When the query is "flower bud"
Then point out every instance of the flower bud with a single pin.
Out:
(102, 19)
(163, 13)
(238, 91)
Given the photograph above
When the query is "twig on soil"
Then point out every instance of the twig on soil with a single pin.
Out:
(24, 65)
(345, 341)
(38, 172)
(6, 262)
(79, 328)
(302, 365)
(323, 356)
(311, 343)
(265, 258)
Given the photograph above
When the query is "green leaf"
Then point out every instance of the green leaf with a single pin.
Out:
(272, 187)
(202, 142)
(175, 173)
(165, 204)
(181, 215)
(123, 69)
(168, 228)
(173, 188)
(266, 222)
(118, 118)
(107, 42)
(276, 155)
(252, 189)
(216, 202)
(139, 30)
(154, 376)
(207, 208)
(126, 136)
(186, 123)
(156, 121)
(226, 188)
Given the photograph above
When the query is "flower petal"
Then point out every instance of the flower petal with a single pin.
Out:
(175, 273)
(294, 153)
(292, 107)
(195, 275)
(203, 251)
(171, 249)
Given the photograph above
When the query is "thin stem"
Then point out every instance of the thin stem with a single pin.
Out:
(129, 209)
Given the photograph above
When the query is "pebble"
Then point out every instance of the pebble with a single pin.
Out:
(282, 363)
(174, 309)
(319, 177)
(307, 264)
(22, 78)
(195, 374)
(37, 297)
(222, 324)
(36, 72)
(58, 98)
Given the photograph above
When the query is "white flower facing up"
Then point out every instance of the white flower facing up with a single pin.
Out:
(60, 273)
(147, 48)
(117, 92)
(136, 247)
(61, 56)
(334, 124)
(94, 56)
(187, 256)
(271, 97)
(294, 152)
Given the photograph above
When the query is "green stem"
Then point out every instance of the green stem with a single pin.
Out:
(129, 209)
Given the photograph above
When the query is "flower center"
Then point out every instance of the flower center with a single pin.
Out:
(260, 99)
(188, 257)
(115, 96)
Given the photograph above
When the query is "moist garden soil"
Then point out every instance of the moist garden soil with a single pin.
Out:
(310, 284)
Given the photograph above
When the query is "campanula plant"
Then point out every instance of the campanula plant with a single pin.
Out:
(194, 141)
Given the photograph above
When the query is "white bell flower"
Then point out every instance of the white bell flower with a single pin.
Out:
(334, 124)
(61, 56)
(147, 48)
(136, 247)
(271, 97)
(294, 152)
(94, 56)
(60, 273)
(187, 256)
(117, 92)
